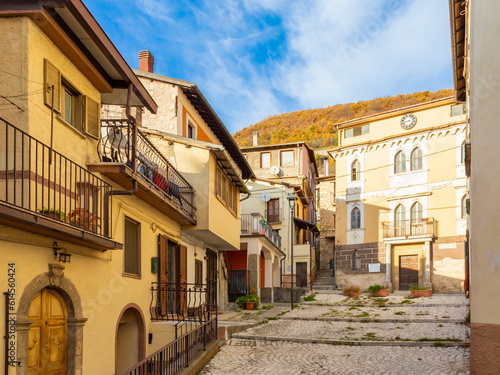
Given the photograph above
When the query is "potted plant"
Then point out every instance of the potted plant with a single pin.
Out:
(378, 291)
(419, 291)
(351, 290)
(54, 213)
(81, 217)
(249, 302)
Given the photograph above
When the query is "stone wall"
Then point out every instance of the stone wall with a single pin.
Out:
(326, 191)
(283, 294)
(369, 253)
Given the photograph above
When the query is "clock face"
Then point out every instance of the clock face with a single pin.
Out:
(408, 121)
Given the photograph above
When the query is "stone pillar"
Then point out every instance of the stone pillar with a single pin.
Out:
(427, 267)
(253, 271)
(388, 266)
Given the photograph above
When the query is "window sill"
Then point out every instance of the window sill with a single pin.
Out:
(131, 276)
(71, 127)
(353, 230)
(409, 173)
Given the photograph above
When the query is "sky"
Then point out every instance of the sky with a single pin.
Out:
(256, 58)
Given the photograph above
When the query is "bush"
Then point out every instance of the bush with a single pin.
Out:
(414, 287)
(249, 298)
(351, 287)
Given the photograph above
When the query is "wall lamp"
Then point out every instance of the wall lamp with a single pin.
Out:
(64, 256)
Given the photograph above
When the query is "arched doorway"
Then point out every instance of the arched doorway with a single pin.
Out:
(130, 339)
(48, 334)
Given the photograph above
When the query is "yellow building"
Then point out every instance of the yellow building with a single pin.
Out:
(474, 33)
(400, 198)
(91, 212)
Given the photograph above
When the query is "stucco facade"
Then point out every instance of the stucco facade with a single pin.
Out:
(399, 195)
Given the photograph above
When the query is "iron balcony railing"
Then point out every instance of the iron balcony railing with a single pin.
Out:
(405, 228)
(151, 165)
(254, 224)
(181, 302)
(39, 180)
(179, 353)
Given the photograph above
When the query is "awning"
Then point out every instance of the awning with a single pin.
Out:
(303, 224)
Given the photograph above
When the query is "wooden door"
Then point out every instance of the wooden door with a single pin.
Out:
(48, 334)
(301, 276)
(408, 271)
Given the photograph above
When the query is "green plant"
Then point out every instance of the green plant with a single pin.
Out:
(400, 313)
(310, 298)
(58, 214)
(249, 298)
(415, 287)
(375, 288)
(267, 307)
(467, 318)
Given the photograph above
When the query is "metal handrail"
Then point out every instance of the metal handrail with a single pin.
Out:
(36, 178)
(405, 228)
(252, 224)
(151, 164)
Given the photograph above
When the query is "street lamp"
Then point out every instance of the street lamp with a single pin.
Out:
(291, 200)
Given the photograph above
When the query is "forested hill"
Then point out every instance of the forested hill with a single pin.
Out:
(316, 126)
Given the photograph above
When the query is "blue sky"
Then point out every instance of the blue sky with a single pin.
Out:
(256, 58)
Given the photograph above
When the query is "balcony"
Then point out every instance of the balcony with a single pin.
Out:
(409, 228)
(159, 183)
(253, 225)
(43, 192)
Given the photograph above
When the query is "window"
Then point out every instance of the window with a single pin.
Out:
(355, 218)
(273, 210)
(356, 260)
(132, 252)
(198, 269)
(75, 109)
(355, 132)
(286, 158)
(265, 160)
(464, 206)
(355, 171)
(400, 162)
(190, 131)
(400, 220)
(416, 159)
(462, 153)
(226, 191)
(416, 212)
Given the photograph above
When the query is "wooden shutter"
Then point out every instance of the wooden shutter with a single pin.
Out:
(162, 274)
(91, 117)
(273, 210)
(52, 77)
(183, 278)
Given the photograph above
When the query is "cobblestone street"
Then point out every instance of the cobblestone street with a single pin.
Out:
(339, 335)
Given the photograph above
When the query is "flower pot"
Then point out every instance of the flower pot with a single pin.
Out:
(249, 305)
(421, 293)
(380, 293)
(351, 293)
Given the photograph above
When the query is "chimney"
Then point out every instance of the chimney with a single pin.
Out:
(255, 141)
(325, 166)
(147, 61)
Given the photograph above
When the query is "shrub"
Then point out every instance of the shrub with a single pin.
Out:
(415, 287)
(375, 288)
(351, 287)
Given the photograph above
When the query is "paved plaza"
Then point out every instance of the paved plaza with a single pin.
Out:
(339, 335)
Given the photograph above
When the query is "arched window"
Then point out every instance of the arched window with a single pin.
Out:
(400, 221)
(464, 206)
(355, 218)
(416, 212)
(355, 260)
(462, 153)
(400, 162)
(355, 170)
(416, 159)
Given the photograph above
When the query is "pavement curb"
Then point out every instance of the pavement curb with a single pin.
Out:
(450, 321)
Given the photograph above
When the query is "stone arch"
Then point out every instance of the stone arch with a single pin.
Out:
(141, 324)
(56, 280)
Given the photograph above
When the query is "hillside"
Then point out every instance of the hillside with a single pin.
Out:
(316, 126)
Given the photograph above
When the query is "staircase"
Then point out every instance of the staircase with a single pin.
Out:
(324, 282)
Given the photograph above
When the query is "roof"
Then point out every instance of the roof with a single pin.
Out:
(458, 19)
(285, 145)
(74, 30)
(213, 121)
(303, 224)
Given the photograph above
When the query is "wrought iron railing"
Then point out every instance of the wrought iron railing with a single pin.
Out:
(180, 302)
(404, 228)
(40, 180)
(151, 165)
(256, 225)
(179, 353)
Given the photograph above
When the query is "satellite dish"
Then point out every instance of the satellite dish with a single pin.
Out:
(274, 170)
(265, 197)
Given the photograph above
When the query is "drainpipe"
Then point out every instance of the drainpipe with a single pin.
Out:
(133, 160)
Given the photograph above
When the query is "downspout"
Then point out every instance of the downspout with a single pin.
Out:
(133, 161)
